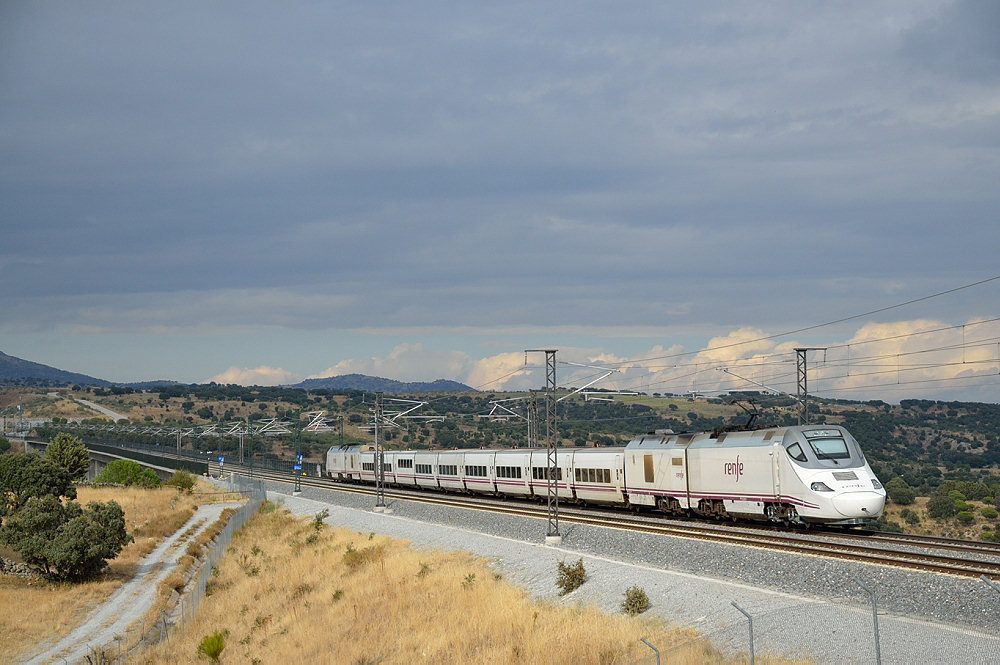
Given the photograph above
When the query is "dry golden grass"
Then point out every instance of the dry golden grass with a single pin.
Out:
(47, 610)
(284, 594)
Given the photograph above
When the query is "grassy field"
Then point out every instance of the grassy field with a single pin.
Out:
(37, 610)
(287, 591)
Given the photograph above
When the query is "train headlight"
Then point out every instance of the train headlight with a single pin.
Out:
(820, 487)
(876, 484)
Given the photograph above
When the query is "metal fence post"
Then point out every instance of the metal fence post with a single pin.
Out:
(750, 619)
(657, 651)
(878, 647)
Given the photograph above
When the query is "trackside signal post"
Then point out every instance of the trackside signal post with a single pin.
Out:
(552, 536)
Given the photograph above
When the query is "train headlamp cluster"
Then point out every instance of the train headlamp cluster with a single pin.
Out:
(820, 487)
(876, 484)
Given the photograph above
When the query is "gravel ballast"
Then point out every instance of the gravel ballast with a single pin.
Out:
(801, 605)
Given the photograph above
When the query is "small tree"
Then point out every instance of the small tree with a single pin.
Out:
(899, 492)
(31, 475)
(941, 506)
(67, 451)
(68, 542)
(4, 444)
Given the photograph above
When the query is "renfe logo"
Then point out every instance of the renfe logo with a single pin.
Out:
(734, 468)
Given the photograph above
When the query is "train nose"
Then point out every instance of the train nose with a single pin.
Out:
(859, 504)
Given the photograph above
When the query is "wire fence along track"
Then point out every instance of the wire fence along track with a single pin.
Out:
(142, 636)
(828, 546)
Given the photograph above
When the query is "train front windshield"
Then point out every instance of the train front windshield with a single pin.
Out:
(833, 448)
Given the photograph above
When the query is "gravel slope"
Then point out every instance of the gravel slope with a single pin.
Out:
(131, 600)
(799, 604)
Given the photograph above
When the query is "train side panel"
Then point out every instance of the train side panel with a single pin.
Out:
(656, 471)
(597, 475)
(449, 470)
(512, 472)
(479, 472)
(738, 471)
(425, 470)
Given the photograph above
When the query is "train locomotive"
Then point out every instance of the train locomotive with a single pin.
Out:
(809, 474)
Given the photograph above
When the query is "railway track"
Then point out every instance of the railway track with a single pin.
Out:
(948, 556)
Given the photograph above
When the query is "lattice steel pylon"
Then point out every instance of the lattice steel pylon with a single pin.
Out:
(802, 372)
(379, 465)
(552, 535)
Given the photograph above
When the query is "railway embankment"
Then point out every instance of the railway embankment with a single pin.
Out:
(806, 605)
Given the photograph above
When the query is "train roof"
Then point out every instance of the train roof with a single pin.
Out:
(765, 436)
(760, 437)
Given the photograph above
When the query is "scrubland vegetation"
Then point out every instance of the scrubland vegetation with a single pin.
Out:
(36, 609)
(292, 590)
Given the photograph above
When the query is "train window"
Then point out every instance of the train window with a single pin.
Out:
(677, 461)
(647, 463)
(795, 452)
(830, 448)
(424, 468)
(368, 466)
(405, 463)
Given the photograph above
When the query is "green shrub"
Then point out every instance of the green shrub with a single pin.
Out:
(989, 512)
(182, 480)
(966, 517)
(570, 576)
(354, 558)
(128, 472)
(910, 516)
(212, 645)
(636, 601)
(899, 492)
(941, 506)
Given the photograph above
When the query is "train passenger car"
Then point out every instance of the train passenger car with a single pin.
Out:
(596, 475)
(656, 471)
(449, 470)
(479, 471)
(344, 462)
(512, 472)
(539, 482)
(403, 471)
(425, 469)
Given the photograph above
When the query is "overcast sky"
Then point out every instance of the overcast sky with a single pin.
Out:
(258, 193)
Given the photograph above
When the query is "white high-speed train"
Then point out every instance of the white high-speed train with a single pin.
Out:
(806, 474)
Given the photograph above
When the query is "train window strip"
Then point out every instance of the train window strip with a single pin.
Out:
(448, 470)
(404, 463)
(476, 470)
(542, 473)
(424, 468)
(593, 475)
(509, 472)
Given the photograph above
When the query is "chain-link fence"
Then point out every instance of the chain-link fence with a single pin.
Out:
(830, 633)
(140, 636)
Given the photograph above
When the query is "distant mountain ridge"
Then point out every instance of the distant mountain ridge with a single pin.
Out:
(379, 384)
(17, 369)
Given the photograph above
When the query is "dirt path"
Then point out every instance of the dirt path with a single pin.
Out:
(129, 603)
(114, 415)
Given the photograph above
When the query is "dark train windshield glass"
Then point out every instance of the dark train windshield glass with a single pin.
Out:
(830, 448)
